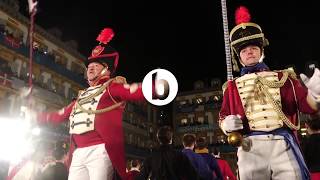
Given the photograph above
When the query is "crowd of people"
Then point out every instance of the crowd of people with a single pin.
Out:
(193, 162)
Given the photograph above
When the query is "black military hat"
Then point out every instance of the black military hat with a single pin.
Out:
(245, 33)
(105, 55)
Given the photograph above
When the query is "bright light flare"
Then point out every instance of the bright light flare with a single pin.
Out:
(36, 131)
(15, 139)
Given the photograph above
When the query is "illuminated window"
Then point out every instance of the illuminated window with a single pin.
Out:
(221, 139)
(59, 58)
(199, 100)
(215, 98)
(37, 45)
(184, 121)
(200, 120)
(183, 102)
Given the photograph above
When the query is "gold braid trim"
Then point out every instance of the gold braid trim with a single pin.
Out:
(261, 82)
(79, 103)
(224, 86)
(291, 73)
(255, 36)
(271, 84)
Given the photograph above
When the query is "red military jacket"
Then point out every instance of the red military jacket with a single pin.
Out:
(108, 124)
(289, 106)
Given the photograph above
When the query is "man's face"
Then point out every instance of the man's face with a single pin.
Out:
(250, 55)
(94, 70)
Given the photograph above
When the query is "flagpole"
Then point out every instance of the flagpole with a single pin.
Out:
(228, 53)
(32, 12)
(234, 138)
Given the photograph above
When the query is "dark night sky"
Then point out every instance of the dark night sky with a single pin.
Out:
(184, 37)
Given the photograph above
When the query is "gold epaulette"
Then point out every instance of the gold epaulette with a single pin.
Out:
(80, 92)
(290, 72)
(119, 80)
(224, 85)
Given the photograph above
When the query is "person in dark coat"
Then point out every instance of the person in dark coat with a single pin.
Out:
(56, 170)
(198, 162)
(311, 146)
(167, 163)
(211, 161)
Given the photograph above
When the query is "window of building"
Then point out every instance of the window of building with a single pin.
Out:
(59, 58)
(77, 69)
(199, 100)
(184, 121)
(131, 118)
(60, 90)
(2, 25)
(73, 94)
(37, 45)
(130, 139)
(44, 78)
(215, 98)
(198, 85)
(54, 85)
(138, 141)
(215, 83)
(13, 30)
(37, 73)
(142, 144)
(200, 120)
(221, 139)
(183, 102)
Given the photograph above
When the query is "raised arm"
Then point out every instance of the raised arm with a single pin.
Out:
(55, 117)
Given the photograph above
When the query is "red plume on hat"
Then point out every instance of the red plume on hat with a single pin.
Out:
(242, 15)
(105, 36)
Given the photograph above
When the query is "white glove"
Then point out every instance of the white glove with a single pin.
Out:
(231, 123)
(313, 84)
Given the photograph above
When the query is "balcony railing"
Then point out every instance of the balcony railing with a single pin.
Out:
(44, 60)
(196, 128)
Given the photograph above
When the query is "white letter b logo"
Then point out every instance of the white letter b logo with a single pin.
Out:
(165, 87)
